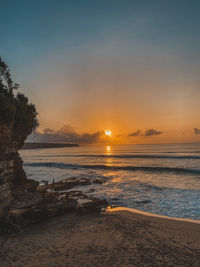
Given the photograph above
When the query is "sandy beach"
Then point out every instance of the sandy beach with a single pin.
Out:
(118, 238)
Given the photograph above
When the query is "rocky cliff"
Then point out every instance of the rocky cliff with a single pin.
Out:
(23, 202)
(18, 118)
(11, 171)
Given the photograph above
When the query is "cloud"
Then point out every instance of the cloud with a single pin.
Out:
(66, 134)
(147, 133)
(136, 133)
(152, 132)
(48, 131)
(196, 131)
(67, 129)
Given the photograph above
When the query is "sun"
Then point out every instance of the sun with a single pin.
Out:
(108, 132)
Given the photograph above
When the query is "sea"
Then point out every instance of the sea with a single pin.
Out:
(163, 179)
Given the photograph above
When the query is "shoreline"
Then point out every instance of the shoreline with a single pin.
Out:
(145, 213)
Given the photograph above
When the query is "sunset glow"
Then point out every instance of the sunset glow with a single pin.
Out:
(130, 77)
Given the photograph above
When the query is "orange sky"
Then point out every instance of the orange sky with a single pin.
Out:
(96, 95)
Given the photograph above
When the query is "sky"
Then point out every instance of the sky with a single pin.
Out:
(130, 66)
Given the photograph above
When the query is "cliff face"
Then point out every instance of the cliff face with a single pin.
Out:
(18, 118)
(11, 171)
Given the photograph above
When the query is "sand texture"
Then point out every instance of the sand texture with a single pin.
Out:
(120, 238)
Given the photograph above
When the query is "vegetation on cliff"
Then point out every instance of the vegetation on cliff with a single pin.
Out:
(16, 111)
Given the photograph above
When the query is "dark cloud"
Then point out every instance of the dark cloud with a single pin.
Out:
(196, 131)
(136, 133)
(147, 133)
(67, 129)
(152, 132)
(66, 134)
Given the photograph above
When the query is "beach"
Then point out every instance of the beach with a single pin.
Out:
(99, 133)
(117, 238)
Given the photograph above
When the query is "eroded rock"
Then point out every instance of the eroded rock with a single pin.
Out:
(69, 183)
(48, 205)
(99, 180)
(34, 204)
(65, 184)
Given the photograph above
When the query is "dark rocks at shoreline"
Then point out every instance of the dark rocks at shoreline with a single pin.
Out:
(52, 204)
(70, 183)
(31, 206)
(65, 184)
(142, 202)
(99, 180)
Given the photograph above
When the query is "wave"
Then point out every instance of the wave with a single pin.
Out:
(113, 167)
(136, 156)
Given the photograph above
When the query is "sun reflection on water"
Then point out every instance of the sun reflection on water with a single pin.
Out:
(108, 150)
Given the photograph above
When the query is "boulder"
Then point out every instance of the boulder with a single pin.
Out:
(99, 180)
(48, 205)
(65, 184)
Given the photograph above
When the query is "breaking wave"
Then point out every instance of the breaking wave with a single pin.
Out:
(114, 167)
(134, 156)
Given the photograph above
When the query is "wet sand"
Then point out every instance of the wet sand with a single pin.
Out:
(118, 238)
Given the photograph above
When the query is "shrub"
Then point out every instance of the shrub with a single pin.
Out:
(7, 109)
(15, 109)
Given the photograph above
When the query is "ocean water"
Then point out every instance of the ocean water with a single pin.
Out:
(161, 179)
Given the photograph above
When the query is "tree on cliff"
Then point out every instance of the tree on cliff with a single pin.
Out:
(15, 110)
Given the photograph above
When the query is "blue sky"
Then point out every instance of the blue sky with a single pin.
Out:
(31, 28)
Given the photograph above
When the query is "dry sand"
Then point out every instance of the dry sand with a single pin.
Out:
(120, 238)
